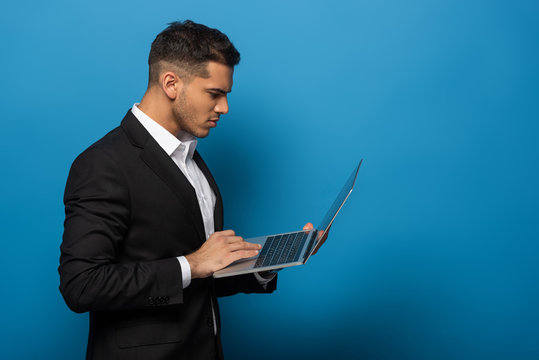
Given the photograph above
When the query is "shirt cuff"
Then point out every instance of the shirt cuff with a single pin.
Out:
(186, 271)
(264, 280)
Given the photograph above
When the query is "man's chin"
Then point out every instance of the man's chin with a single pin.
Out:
(202, 133)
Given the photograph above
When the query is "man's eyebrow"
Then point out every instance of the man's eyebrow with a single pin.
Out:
(221, 91)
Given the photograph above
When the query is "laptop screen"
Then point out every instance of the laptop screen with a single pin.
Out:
(339, 201)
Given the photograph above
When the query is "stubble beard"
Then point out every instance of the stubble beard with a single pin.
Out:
(185, 117)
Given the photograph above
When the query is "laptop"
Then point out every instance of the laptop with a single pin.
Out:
(293, 248)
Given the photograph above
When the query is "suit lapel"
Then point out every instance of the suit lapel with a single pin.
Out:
(218, 211)
(165, 168)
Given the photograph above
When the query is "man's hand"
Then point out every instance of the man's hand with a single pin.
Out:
(321, 234)
(219, 251)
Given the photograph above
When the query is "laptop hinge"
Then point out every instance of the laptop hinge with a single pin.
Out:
(310, 246)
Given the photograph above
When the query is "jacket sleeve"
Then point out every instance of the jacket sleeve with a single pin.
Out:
(92, 277)
(242, 284)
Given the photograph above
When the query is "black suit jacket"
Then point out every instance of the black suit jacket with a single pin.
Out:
(129, 213)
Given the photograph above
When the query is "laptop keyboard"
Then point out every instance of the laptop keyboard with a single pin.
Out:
(281, 249)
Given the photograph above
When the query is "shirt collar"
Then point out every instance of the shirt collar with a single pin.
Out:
(165, 139)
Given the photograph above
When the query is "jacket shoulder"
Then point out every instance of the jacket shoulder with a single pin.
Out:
(114, 145)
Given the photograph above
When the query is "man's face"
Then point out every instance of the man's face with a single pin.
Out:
(203, 100)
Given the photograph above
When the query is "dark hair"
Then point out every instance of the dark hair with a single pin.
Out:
(189, 47)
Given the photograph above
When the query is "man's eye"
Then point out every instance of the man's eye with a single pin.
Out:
(214, 95)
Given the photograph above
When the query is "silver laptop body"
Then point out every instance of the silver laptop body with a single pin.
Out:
(292, 248)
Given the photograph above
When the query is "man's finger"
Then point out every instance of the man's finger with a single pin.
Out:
(244, 245)
(308, 226)
(233, 239)
(242, 254)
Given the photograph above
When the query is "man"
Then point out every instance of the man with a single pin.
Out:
(144, 217)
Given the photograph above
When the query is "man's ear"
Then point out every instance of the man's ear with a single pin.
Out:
(171, 84)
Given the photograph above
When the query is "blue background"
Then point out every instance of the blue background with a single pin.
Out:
(435, 256)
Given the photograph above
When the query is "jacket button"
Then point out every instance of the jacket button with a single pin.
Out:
(209, 321)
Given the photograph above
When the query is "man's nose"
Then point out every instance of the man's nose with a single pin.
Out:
(222, 105)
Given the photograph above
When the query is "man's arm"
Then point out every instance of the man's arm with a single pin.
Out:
(97, 204)
(97, 219)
